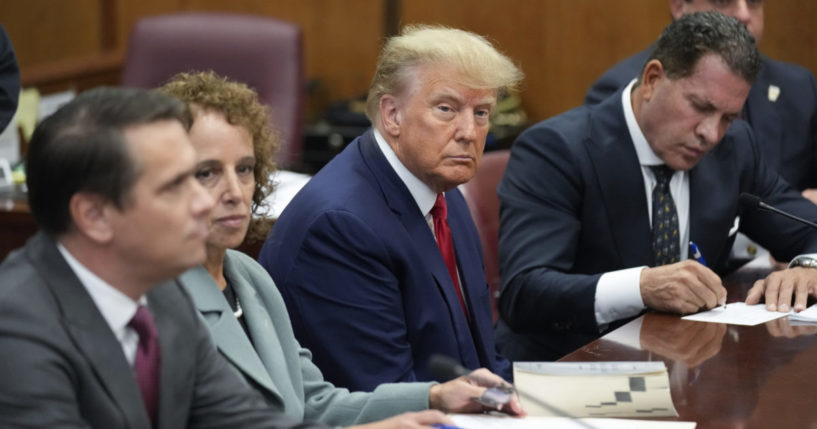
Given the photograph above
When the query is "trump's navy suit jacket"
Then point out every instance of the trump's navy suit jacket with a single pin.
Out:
(573, 206)
(364, 281)
(781, 108)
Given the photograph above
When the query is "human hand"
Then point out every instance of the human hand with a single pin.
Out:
(457, 395)
(420, 419)
(689, 342)
(683, 287)
(780, 286)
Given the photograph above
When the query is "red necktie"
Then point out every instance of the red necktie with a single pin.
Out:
(146, 361)
(443, 234)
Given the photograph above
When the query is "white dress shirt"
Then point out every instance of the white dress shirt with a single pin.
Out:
(618, 293)
(117, 308)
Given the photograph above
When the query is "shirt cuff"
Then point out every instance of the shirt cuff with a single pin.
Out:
(618, 295)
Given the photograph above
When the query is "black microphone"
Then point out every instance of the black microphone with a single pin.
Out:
(750, 201)
(443, 368)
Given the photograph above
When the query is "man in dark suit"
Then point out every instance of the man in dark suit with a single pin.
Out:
(93, 333)
(593, 197)
(376, 278)
(781, 106)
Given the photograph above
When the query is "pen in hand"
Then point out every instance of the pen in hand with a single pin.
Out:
(696, 254)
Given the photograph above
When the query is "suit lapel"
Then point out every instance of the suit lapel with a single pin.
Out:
(226, 331)
(89, 331)
(710, 215)
(621, 182)
(400, 201)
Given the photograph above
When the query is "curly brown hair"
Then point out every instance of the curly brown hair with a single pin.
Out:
(207, 91)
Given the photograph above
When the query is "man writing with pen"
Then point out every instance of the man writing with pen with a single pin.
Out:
(604, 209)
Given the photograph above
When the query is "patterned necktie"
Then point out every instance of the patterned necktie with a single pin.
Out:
(443, 234)
(665, 238)
(146, 361)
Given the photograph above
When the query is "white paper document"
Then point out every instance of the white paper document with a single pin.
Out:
(808, 315)
(737, 313)
(594, 389)
(482, 421)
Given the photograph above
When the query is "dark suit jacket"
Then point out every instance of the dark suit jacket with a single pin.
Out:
(785, 129)
(573, 207)
(62, 366)
(9, 79)
(364, 281)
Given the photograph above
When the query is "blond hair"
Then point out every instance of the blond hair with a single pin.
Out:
(479, 65)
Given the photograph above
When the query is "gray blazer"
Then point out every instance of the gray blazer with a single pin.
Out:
(274, 362)
(61, 365)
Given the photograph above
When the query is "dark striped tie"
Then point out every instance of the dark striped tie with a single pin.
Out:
(665, 236)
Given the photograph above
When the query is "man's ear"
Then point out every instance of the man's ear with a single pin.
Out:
(91, 216)
(390, 115)
(652, 76)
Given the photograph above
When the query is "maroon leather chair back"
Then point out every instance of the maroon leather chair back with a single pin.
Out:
(264, 53)
(480, 194)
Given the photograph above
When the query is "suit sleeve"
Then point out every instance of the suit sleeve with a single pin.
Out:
(222, 400)
(9, 80)
(346, 304)
(812, 183)
(783, 237)
(541, 198)
(337, 406)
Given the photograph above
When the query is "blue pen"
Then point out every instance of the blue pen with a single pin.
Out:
(696, 253)
(442, 426)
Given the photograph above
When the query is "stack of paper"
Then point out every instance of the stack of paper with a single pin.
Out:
(808, 315)
(594, 389)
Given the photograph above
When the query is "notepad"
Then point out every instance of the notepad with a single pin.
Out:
(594, 389)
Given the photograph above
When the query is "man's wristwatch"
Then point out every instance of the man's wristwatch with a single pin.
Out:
(803, 261)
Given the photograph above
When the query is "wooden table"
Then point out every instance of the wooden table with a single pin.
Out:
(725, 376)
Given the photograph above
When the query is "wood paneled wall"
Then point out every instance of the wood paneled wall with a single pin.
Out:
(562, 45)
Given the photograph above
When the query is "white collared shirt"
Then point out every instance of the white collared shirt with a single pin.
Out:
(424, 196)
(117, 308)
(618, 293)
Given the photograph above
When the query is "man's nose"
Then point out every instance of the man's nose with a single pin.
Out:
(466, 127)
(741, 11)
(709, 130)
